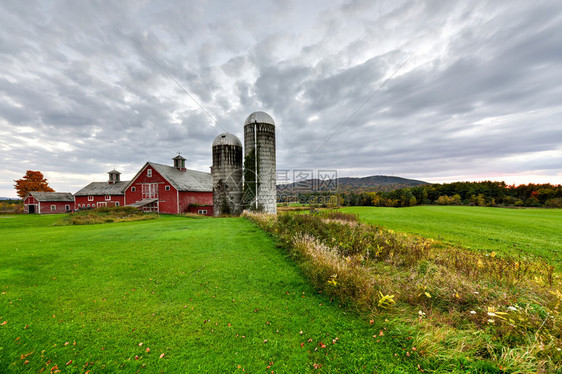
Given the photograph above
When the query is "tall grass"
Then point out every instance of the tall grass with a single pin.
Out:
(495, 309)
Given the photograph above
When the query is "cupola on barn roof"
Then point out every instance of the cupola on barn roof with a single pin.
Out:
(227, 139)
(259, 117)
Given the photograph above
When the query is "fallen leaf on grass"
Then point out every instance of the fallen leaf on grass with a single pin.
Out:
(162, 355)
(69, 362)
(147, 350)
(3, 323)
(140, 344)
(26, 362)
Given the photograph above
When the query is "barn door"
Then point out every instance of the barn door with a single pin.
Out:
(150, 191)
(31, 209)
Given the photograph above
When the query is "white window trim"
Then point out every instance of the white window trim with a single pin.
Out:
(67, 207)
(90, 198)
(117, 203)
(149, 173)
(53, 207)
(107, 197)
(133, 189)
(167, 188)
(202, 211)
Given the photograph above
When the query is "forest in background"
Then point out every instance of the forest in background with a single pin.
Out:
(487, 193)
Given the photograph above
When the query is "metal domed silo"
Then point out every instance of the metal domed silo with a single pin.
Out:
(259, 163)
(227, 175)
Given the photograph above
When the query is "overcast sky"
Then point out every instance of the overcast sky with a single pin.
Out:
(432, 90)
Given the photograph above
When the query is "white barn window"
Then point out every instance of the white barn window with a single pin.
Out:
(149, 173)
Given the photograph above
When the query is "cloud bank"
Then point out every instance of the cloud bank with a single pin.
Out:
(431, 90)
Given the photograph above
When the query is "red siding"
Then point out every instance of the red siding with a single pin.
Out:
(83, 200)
(44, 207)
(167, 200)
(30, 200)
(198, 208)
(196, 198)
(60, 207)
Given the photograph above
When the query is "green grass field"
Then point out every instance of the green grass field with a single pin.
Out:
(173, 295)
(513, 231)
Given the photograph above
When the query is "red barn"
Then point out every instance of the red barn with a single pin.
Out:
(48, 202)
(171, 189)
(101, 194)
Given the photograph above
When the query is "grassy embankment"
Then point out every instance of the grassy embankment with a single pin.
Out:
(175, 295)
(104, 215)
(467, 309)
(513, 231)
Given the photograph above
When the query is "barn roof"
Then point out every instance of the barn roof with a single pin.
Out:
(103, 188)
(52, 196)
(188, 180)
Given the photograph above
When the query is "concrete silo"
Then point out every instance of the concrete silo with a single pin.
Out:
(227, 175)
(259, 163)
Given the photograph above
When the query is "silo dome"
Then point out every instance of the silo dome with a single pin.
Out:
(227, 139)
(259, 117)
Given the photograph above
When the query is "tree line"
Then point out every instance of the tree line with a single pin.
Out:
(487, 193)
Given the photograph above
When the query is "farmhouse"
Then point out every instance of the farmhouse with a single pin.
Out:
(171, 189)
(101, 194)
(48, 202)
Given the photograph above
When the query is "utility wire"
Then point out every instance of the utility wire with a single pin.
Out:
(185, 90)
(359, 107)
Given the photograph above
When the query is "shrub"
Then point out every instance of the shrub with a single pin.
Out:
(104, 215)
(554, 203)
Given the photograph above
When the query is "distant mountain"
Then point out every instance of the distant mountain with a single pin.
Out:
(9, 198)
(373, 183)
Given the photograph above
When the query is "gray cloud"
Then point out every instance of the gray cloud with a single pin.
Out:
(478, 97)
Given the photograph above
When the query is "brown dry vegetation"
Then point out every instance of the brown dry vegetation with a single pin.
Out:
(464, 305)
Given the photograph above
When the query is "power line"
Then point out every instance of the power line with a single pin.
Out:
(359, 107)
(186, 91)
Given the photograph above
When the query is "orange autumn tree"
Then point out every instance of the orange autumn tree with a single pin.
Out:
(32, 181)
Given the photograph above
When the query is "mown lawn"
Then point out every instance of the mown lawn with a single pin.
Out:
(513, 231)
(173, 295)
